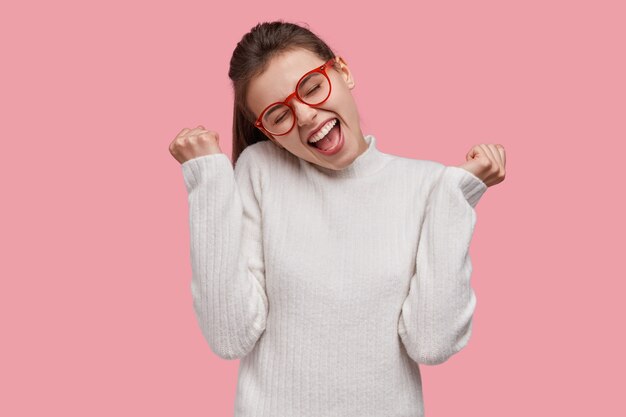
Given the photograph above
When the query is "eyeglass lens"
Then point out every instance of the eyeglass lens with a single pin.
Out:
(313, 89)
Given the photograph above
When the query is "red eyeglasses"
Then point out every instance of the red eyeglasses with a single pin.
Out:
(313, 89)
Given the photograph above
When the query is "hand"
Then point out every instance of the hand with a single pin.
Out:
(487, 162)
(192, 143)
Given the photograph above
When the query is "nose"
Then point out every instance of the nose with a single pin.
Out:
(304, 112)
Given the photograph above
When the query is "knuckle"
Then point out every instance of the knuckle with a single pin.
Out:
(209, 135)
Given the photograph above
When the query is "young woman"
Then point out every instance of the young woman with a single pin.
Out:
(330, 268)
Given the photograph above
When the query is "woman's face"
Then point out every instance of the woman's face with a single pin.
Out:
(280, 79)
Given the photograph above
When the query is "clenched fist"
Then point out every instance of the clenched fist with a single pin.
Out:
(192, 143)
(487, 162)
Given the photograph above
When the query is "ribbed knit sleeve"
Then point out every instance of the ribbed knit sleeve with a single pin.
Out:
(228, 277)
(436, 316)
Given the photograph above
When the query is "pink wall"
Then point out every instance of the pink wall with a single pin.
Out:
(95, 302)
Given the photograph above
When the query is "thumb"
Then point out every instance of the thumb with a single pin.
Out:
(472, 166)
(474, 161)
(214, 147)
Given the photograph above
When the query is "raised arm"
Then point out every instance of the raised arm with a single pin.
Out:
(228, 273)
(436, 317)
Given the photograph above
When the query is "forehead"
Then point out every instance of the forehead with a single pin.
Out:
(280, 78)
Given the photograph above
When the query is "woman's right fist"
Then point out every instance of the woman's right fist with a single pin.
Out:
(192, 143)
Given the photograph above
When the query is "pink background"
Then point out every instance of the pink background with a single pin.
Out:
(96, 308)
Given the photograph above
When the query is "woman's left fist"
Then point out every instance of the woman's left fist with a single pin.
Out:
(487, 162)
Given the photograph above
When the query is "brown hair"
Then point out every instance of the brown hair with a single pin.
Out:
(251, 57)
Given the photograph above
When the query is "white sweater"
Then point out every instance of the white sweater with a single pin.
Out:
(331, 286)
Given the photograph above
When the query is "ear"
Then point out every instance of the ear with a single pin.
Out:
(346, 74)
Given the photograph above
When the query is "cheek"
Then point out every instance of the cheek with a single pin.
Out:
(344, 106)
(337, 104)
(341, 100)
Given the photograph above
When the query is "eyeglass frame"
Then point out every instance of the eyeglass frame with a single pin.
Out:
(322, 70)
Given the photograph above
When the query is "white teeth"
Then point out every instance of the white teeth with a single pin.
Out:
(323, 131)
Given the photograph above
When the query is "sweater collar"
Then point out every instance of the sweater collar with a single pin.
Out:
(367, 163)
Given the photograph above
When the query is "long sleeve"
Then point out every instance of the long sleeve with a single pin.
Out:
(228, 274)
(436, 316)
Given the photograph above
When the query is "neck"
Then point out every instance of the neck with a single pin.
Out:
(369, 161)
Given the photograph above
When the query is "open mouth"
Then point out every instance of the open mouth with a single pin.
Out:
(330, 140)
